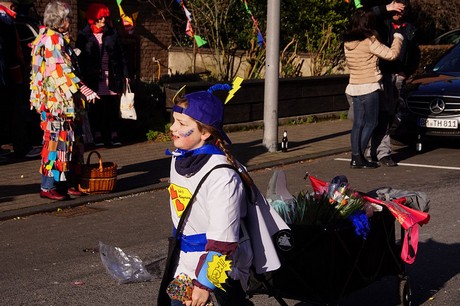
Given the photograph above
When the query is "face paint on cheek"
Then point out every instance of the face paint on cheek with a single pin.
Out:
(186, 134)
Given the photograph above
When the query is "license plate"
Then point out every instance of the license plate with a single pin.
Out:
(438, 123)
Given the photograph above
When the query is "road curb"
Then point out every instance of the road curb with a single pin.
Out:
(88, 199)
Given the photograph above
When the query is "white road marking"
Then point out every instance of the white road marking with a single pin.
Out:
(412, 165)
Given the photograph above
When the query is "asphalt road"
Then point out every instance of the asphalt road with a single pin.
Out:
(52, 258)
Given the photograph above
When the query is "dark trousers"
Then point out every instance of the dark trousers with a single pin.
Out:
(104, 115)
(381, 140)
(365, 113)
(14, 127)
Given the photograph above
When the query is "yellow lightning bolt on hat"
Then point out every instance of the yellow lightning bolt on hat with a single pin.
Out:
(235, 86)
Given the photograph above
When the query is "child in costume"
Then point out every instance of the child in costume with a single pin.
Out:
(212, 249)
(55, 88)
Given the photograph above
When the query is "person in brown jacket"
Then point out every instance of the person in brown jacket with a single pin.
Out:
(363, 50)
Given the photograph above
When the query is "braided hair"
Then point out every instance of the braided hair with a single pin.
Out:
(216, 138)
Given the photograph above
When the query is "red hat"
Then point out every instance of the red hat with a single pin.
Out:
(96, 11)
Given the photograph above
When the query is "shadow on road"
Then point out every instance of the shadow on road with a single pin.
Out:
(9, 192)
(142, 174)
(244, 152)
(433, 259)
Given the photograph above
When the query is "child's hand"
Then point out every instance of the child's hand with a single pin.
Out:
(199, 297)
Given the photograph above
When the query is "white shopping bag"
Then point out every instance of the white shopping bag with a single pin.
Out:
(127, 110)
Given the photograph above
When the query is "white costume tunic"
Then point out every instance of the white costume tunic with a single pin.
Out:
(218, 207)
(217, 212)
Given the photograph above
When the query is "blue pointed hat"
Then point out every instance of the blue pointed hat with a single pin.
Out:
(206, 108)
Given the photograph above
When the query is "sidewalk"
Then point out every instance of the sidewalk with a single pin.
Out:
(144, 166)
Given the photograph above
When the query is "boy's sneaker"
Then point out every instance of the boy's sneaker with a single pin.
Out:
(5, 152)
(387, 161)
(98, 141)
(116, 142)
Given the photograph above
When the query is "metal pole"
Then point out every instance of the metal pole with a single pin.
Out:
(271, 76)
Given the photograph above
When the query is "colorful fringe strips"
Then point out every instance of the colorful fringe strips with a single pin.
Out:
(53, 83)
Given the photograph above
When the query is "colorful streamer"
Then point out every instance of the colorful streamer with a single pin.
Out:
(5, 8)
(189, 29)
(356, 2)
(199, 41)
(260, 37)
(128, 22)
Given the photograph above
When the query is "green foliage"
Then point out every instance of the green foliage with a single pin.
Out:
(212, 20)
(152, 135)
(300, 17)
(326, 53)
(313, 209)
(255, 59)
(310, 208)
(227, 27)
(157, 136)
(313, 26)
(290, 63)
(312, 119)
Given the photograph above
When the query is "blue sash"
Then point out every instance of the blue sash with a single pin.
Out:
(192, 243)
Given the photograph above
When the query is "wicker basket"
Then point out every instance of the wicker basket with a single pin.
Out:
(97, 178)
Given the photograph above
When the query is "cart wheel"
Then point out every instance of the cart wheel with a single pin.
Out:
(405, 293)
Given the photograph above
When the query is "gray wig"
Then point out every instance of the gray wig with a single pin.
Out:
(55, 14)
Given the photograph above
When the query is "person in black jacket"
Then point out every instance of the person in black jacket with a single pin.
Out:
(14, 126)
(103, 67)
(394, 75)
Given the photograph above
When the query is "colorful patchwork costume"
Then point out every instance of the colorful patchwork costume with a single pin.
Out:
(53, 85)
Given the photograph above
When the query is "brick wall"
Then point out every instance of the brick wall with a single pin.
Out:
(151, 38)
(155, 37)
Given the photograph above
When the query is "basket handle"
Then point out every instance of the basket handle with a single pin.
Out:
(98, 155)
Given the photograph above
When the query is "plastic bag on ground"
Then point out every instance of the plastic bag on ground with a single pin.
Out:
(125, 268)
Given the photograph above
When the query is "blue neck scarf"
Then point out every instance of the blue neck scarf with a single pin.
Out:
(190, 162)
(205, 149)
